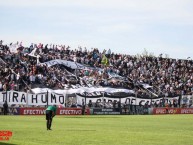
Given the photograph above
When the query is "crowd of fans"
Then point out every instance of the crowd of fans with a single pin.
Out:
(163, 76)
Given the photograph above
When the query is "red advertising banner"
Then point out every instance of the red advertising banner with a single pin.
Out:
(72, 111)
(157, 111)
(60, 111)
(186, 110)
(32, 111)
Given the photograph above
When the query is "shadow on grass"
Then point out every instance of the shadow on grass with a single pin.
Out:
(79, 130)
(6, 143)
(91, 117)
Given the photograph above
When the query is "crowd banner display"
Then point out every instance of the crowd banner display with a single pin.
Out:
(74, 65)
(128, 100)
(37, 99)
(158, 111)
(54, 98)
(13, 97)
(96, 100)
(58, 97)
(70, 64)
(83, 90)
(22, 98)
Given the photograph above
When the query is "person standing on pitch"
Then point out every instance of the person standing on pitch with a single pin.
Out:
(50, 113)
(5, 108)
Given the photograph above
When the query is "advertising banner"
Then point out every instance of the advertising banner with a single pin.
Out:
(32, 111)
(72, 111)
(60, 111)
(134, 109)
(108, 111)
(22, 98)
(157, 111)
(11, 111)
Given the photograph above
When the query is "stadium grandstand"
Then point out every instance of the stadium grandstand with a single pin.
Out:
(58, 67)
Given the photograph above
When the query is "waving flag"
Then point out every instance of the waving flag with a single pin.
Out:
(104, 60)
(13, 47)
(33, 53)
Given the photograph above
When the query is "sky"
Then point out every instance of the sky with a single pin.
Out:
(124, 26)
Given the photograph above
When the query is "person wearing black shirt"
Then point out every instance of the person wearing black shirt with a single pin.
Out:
(5, 108)
(83, 107)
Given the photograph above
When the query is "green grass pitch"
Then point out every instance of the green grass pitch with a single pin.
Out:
(100, 130)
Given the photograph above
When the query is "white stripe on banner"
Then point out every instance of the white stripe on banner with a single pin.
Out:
(70, 64)
(83, 90)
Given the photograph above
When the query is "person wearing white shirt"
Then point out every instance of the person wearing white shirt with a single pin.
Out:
(1, 86)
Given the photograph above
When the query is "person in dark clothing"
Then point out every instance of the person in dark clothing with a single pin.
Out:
(50, 113)
(83, 107)
(114, 104)
(119, 106)
(90, 104)
(5, 108)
